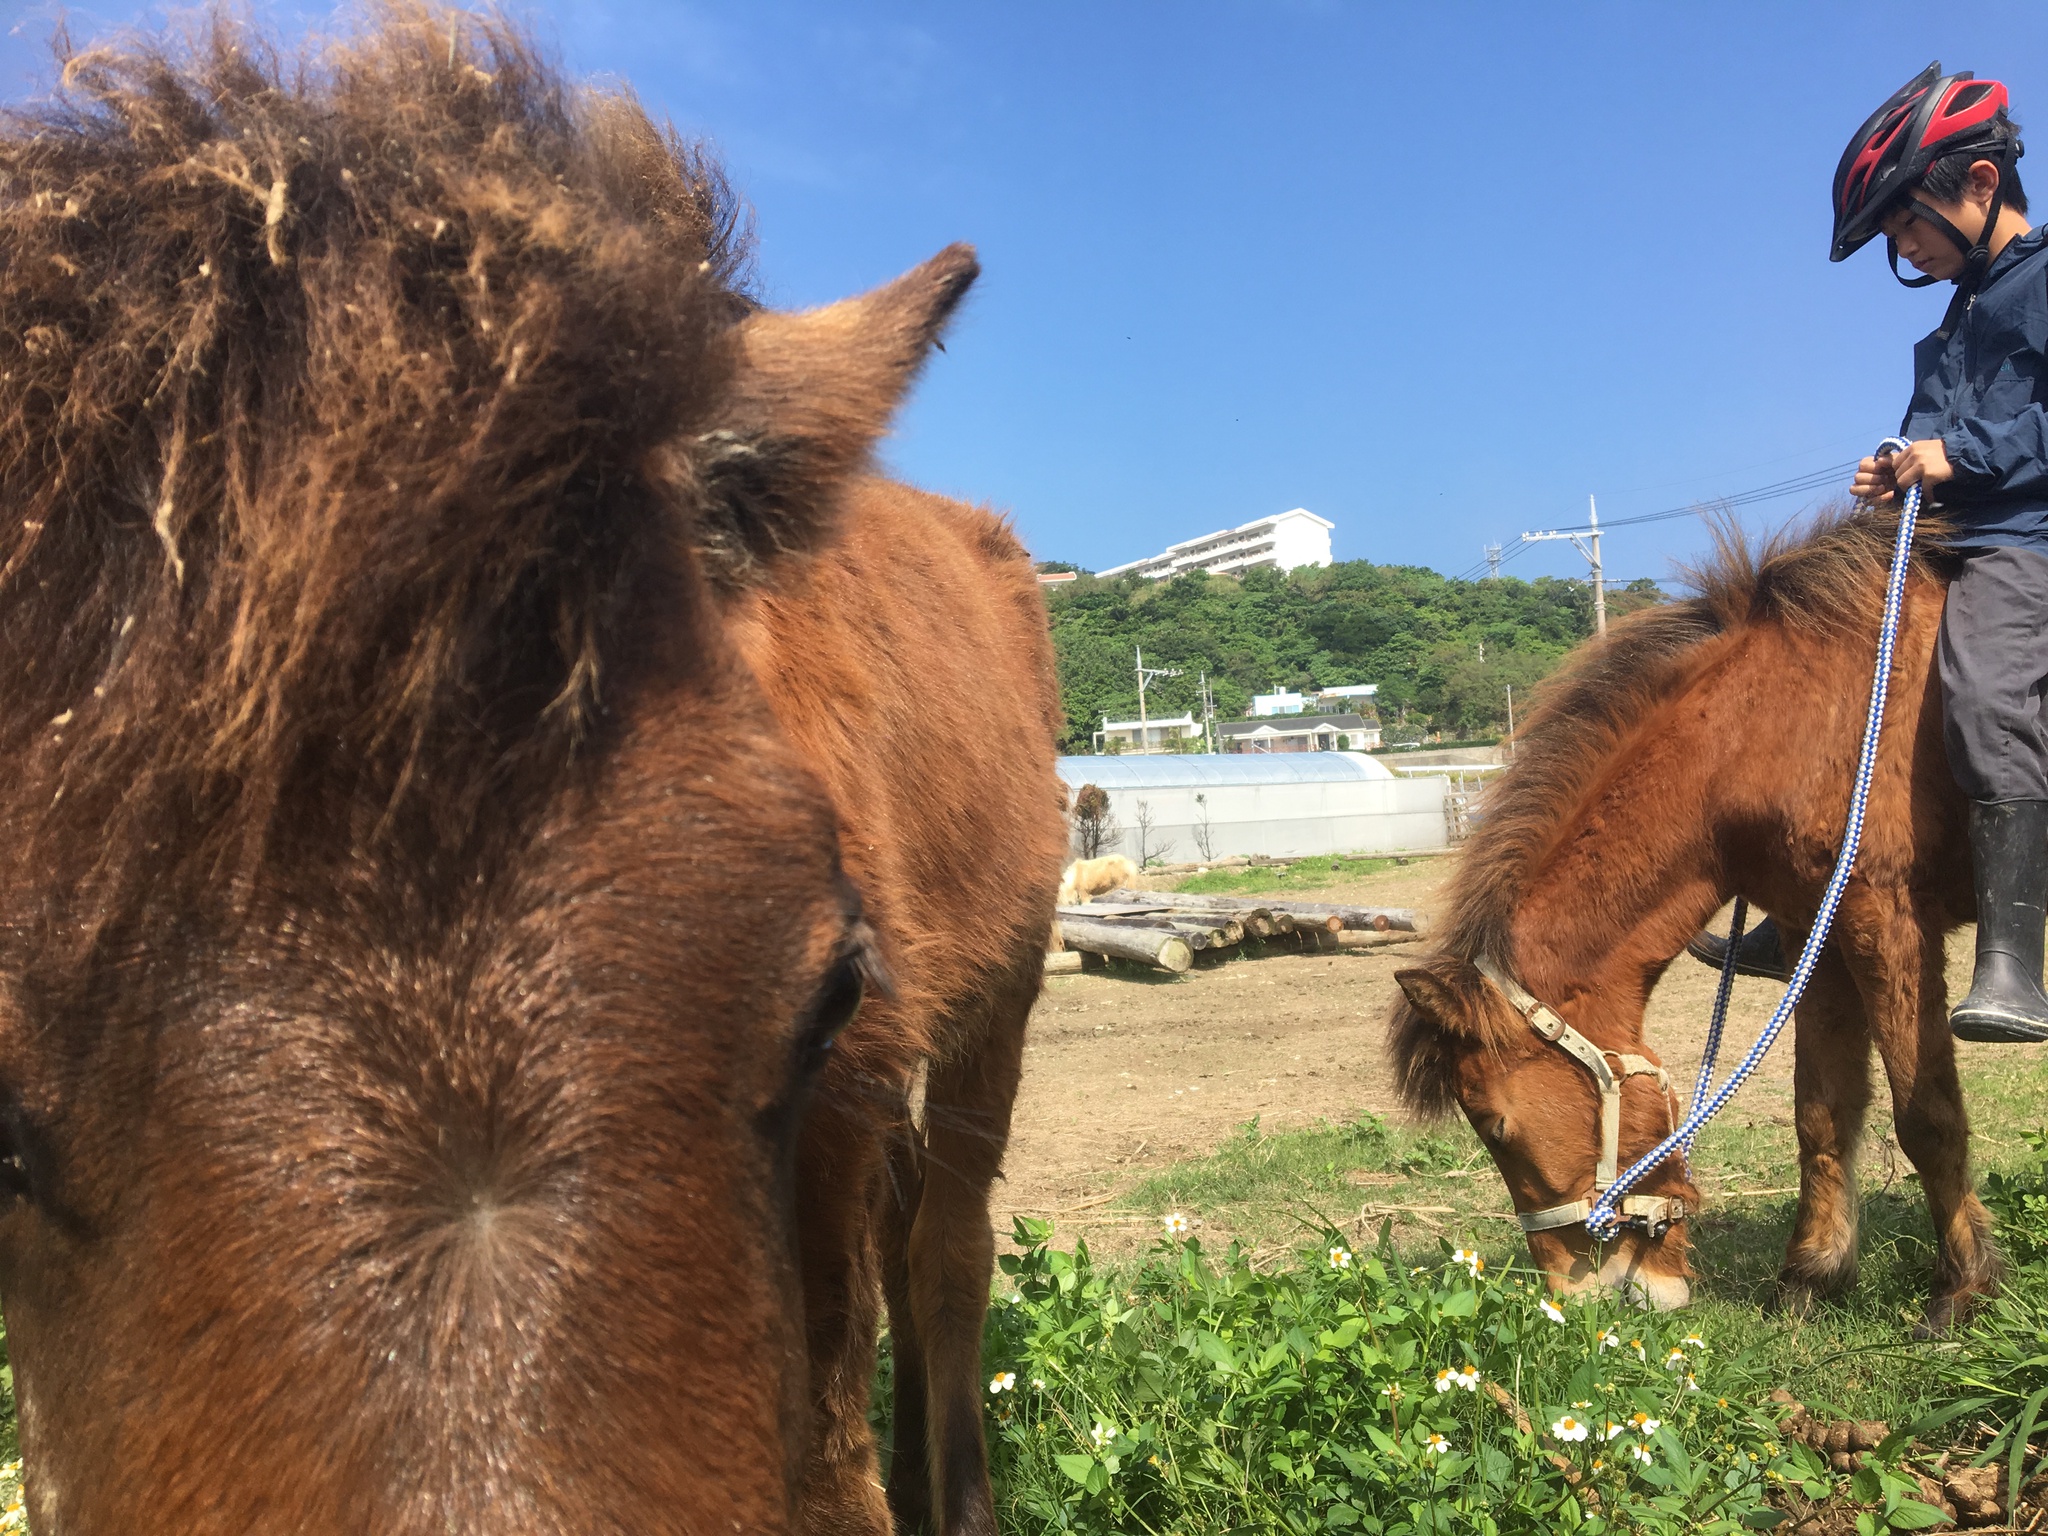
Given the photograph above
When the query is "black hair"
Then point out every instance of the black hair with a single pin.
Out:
(1946, 178)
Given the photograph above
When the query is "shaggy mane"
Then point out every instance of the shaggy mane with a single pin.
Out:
(329, 391)
(1824, 577)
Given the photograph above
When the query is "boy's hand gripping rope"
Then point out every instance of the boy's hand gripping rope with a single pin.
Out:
(1605, 1217)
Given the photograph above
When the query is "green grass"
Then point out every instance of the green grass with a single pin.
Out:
(1299, 875)
(1853, 1356)
(1267, 1187)
(1264, 1436)
(1347, 1386)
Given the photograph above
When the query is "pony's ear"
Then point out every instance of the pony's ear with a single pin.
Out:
(1444, 991)
(811, 393)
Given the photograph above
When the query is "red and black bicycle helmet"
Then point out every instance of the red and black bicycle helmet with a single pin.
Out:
(1929, 118)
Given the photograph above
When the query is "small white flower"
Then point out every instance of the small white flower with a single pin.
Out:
(1176, 1225)
(1101, 1434)
(1391, 1391)
(1642, 1454)
(1611, 1429)
(1568, 1428)
(1641, 1354)
(1435, 1445)
(1674, 1360)
(1609, 1339)
(1469, 1257)
(1690, 1384)
(1468, 1378)
(1582, 1404)
(1002, 1381)
(1646, 1424)
(1340, 1258)
(1552, 1311)
(1693, 1341)
(1443, 1379)
(1038, 1383)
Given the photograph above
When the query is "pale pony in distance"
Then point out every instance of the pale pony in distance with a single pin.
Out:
(1085, 878)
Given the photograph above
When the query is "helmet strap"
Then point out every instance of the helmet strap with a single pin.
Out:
(1977, 256)
(1891, 254)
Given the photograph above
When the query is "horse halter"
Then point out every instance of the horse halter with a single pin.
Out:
(1651, 1215)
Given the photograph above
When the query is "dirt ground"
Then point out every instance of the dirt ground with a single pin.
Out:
(1124, 1074)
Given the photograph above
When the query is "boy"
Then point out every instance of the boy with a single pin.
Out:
(1934, 170)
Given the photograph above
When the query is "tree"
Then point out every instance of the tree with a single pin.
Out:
(1414, 632)
(1095, 825)
(1150, 851)
(1205, 834)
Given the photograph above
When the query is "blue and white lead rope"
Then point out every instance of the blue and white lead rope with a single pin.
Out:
(1722, 993)
(1604, 1218)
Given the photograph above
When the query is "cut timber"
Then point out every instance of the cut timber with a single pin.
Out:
(1162, 947)
(1115, 909)
(1202, 930)
(1221, 930)
(1316, 913)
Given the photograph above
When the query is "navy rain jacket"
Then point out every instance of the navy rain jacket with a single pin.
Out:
(1984, 393)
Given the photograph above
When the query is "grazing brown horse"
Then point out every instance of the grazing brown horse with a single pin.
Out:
(1705, 749)
(471, 728)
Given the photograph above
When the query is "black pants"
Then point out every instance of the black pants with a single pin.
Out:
(1993, 656)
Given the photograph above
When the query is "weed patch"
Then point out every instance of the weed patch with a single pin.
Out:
(1299, 876)
(1345, 1391)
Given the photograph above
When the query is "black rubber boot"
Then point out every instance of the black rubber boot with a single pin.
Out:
(1761, 952)
(2009, 847)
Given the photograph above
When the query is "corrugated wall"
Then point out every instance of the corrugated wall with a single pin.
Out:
(1281, 820)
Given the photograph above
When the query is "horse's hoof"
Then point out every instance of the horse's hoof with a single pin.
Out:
(1792, 1299)
(1940, 1317)
(1946, 1313)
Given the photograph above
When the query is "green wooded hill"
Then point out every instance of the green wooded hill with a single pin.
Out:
(1443, 651)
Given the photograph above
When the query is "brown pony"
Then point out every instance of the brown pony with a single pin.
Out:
(468, 726)
(1705, 749)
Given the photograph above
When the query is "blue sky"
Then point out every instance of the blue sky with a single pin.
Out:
(1433, 271)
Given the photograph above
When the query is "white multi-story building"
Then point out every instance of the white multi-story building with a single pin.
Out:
(1291, 539)
(1278, 702)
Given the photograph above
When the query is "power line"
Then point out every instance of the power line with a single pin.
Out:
(1488, 566)
(1819, 479)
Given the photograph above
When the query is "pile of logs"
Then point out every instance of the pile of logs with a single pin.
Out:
(1167, 928)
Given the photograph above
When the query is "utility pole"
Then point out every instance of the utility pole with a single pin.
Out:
(1599, 574)
(1492, 561)
(1145, 676)
(1591, 554)
(1511, 719)
(1208, 717)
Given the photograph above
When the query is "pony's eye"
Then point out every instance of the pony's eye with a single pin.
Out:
(838, 1000)
(15, 1183)
(1497, 1130)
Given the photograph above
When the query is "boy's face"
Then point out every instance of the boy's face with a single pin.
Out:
(1924, 244)
(1926, 247)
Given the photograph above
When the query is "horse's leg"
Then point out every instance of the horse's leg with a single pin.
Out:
(952, 1252)
(1831, 1091)
(898, 1200)
(1900, 969)
(837, 1166)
